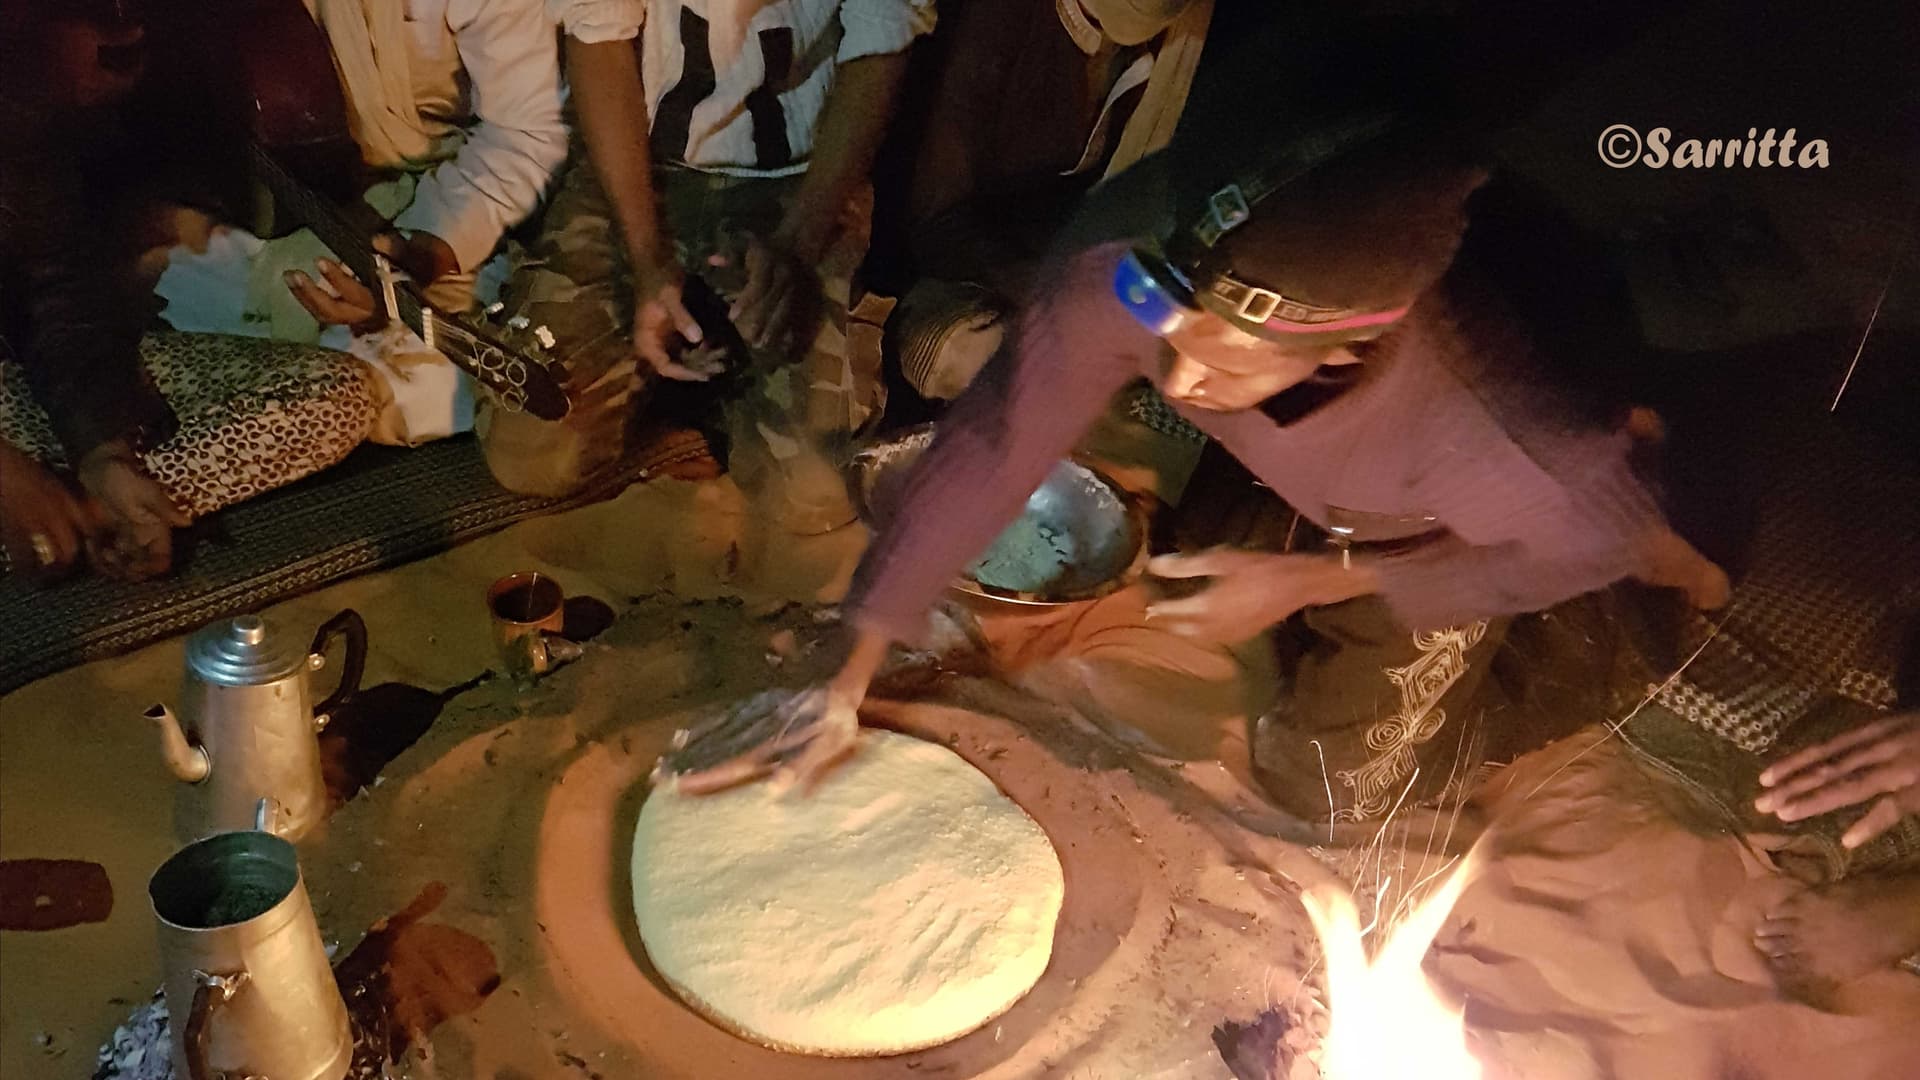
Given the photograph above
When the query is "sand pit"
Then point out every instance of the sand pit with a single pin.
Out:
(1604, 941)
(1127, 983)
(1174, 922)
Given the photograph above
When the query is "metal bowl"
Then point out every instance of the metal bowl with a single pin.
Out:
(1080, 537)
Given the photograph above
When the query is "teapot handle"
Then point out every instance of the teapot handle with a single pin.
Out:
(349, 623)
(210, 991)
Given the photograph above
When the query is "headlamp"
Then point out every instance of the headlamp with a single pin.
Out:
(1157, 295)
(1166, 294)
(1164, 298)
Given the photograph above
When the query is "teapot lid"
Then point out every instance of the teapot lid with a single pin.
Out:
(242, 651)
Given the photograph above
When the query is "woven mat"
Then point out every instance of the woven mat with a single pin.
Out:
(379, 508)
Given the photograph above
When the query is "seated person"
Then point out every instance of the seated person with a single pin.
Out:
(1325, 336)
(1851, 928)
(722, 143)
(1791, 711)
(1027, 107)
(462, 153)
(158, 429)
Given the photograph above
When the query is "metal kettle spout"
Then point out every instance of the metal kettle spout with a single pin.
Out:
(185, 760)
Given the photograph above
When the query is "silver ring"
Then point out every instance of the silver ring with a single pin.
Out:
(43, 548)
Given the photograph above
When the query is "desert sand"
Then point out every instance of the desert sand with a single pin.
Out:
(1606, 938)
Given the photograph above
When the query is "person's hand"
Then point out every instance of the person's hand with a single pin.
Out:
(138, 516)
(1250, 591)
(779, 296)
(796, 738)
(344, 300)
(347, 301)
(661, 323)
(161, 228)
(1668, 561)
(422, 256)
(43, 524)
(1880, 763)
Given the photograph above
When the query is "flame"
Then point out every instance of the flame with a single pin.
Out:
(1389, 1022)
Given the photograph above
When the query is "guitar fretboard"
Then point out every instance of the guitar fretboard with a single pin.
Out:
(327, 222)
(522, 382)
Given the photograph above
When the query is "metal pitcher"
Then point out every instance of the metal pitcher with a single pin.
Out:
(248, 988)
(247, 728)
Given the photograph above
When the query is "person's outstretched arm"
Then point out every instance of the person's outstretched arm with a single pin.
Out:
(1073, 350)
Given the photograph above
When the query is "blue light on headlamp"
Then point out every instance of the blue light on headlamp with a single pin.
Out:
(1156, 294)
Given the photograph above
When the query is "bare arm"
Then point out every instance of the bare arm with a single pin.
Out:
(612, 107)
(851, 126)
(852, 123)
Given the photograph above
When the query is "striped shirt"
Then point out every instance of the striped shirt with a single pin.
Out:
(736, 86)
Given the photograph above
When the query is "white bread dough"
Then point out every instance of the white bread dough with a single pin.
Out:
(901, 905)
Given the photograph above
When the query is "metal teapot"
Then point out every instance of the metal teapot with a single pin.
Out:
(248, 986)
(247, 728)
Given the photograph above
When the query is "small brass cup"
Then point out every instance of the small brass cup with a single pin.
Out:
(526, 608)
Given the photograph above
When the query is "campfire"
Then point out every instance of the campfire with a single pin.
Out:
(1389, 1022)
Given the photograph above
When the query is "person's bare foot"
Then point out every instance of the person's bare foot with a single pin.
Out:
(1820, 938)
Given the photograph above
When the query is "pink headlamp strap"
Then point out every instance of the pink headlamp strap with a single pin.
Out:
(1279, 325)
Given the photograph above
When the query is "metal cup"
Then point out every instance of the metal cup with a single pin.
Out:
(528, 610)
(247, 982)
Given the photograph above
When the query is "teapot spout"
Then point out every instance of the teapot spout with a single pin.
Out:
(185, 760)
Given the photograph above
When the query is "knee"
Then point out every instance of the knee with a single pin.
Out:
(942, 334)
(528, 456)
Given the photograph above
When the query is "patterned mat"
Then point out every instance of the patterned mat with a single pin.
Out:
(379, 508)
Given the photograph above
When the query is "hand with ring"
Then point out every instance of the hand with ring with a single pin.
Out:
(44, 524)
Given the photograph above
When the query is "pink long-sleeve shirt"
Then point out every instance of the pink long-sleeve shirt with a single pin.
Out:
(1450, 422)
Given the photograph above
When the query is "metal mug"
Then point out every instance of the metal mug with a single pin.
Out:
(528, 611)
(248, 986)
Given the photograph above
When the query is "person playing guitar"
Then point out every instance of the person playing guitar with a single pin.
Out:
(452, 108)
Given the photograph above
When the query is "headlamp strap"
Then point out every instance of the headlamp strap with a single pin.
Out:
(1232, 205)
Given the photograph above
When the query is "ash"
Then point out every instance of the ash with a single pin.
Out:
(139, 1048)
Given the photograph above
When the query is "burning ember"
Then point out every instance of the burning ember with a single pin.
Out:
(1389, 1023)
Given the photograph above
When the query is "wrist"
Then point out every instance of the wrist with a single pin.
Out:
(651, 270)
(863, 661)
(804, 236)
(111, 452)
(1338, 578)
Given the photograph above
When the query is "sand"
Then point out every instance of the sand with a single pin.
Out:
(1610, 938)
(1606, 939)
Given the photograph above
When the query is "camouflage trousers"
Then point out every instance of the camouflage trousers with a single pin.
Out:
(787, 412)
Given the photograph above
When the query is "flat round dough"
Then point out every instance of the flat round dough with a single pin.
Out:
(901, 905)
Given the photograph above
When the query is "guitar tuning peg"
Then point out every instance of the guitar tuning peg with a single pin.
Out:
(496, 307)
(544, 336)
(519, 322)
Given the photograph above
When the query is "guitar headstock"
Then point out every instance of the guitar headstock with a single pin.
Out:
(530, 339)
(511, 358)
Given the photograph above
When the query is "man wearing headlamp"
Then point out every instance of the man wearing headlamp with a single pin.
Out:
(1312, 320)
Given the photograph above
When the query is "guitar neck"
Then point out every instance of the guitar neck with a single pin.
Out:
(521, 380)
(350, 244)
